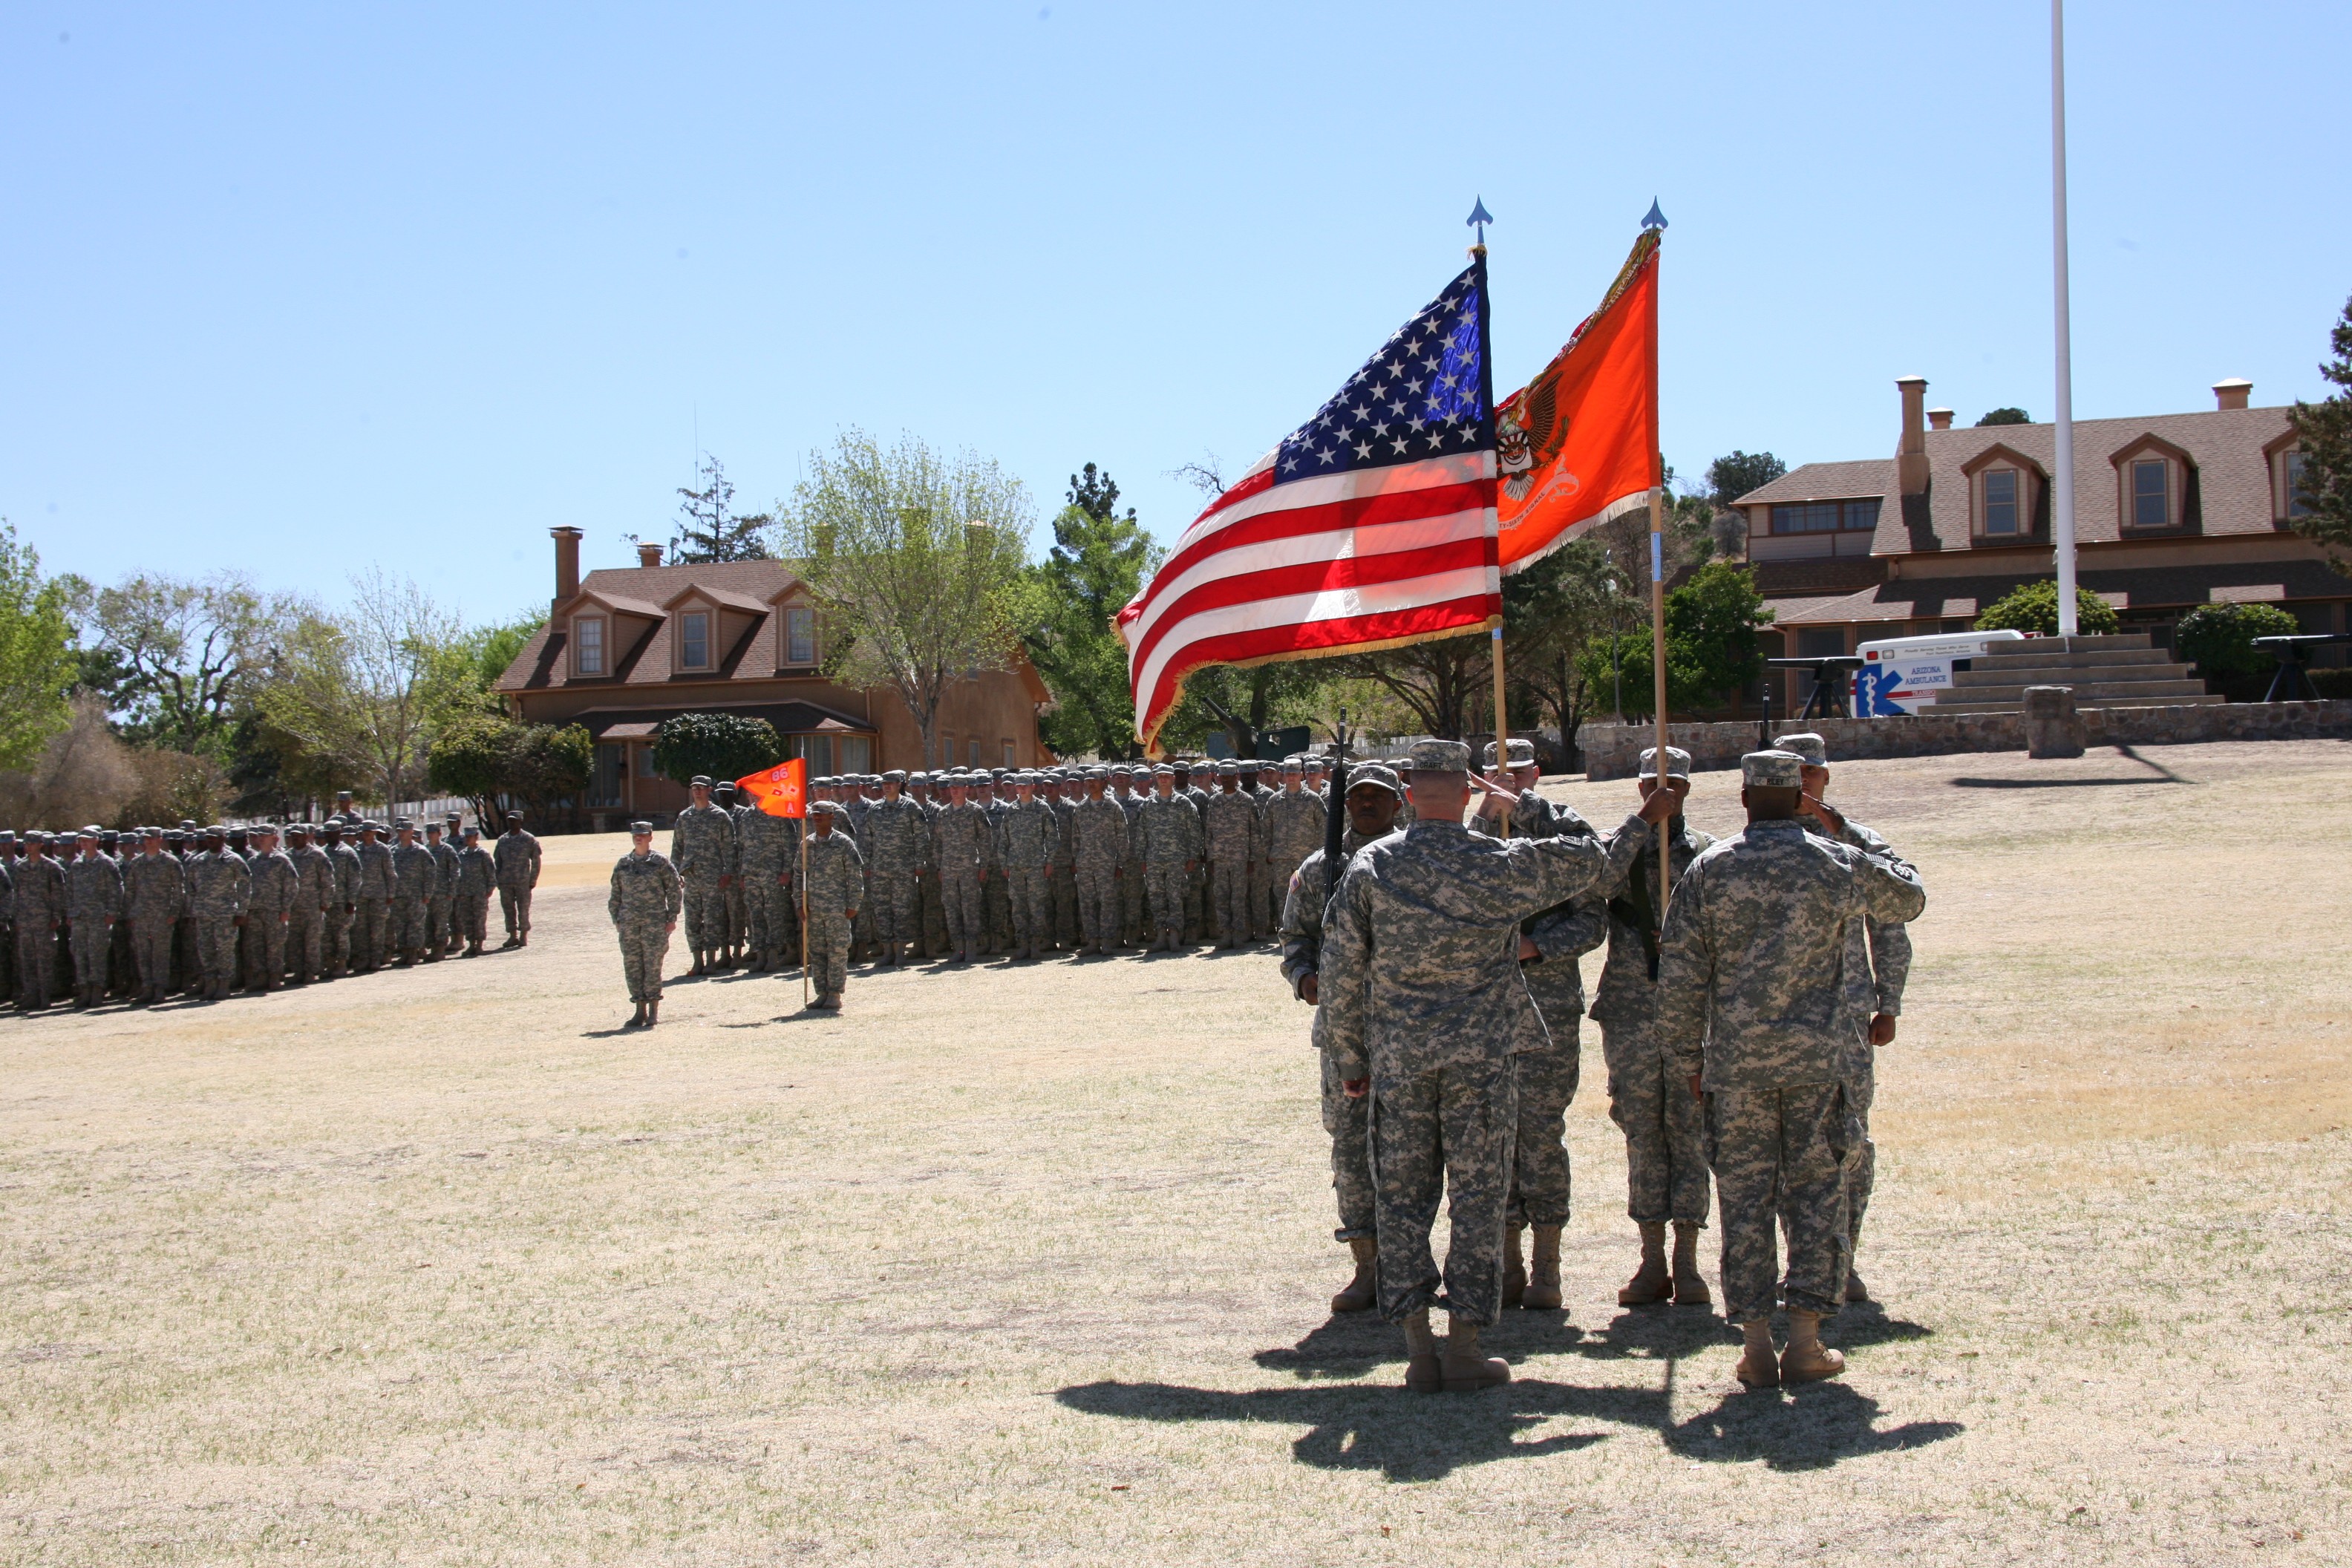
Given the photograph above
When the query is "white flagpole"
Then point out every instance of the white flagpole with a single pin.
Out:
(2062, 512)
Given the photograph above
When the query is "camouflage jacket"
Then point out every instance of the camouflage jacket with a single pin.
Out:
(445, 855)
(645, 892)
(1231, 824)
(414, 873)
(1293, 828)
(275, 883)
(894, 835)
(1627, 896)
(702, 842)
(346, 858)
(218, 884)
(1882, 946)
(1302, 920)
(960, 841)
(1169, 831)
(1757, 984)
(317, 892)
(517, 858)
(477, 872)
(93, 889)
(155, 888)
(1099, 830)
(1421, 961)
(768, 845)
(375, 878)
(1024, 837)
(40, 892)
(836, 874)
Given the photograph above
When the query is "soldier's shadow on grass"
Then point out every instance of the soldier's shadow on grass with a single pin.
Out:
(1406, 1437)
(1808, 1429)
(1352, 1344)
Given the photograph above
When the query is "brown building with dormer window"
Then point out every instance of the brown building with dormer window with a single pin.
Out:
(2171, 512)
(624, 648)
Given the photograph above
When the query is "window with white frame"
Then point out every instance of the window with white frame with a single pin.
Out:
(588, 645)
(2003, 513)
(2151, 493)
(856, 753)
(2296, 499)
(1008, 754)
(694, 640)
(975, 752)
(800, 635)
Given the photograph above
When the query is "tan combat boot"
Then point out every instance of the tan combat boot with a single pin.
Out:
(1423, 1369)
(1855, 1290)
(1464, 1369)
(1807, 1360)
(1543, 1271)
(653, 1012)
(1515, 1268)
(637, 1018)
(1650, 1283)
(1359, 1294)
(1690, 1285)
(1758, 1367)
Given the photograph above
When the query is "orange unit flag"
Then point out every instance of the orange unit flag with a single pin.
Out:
(1578, 444)
(782, 791)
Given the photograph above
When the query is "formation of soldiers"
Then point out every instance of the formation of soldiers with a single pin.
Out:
(95, 915)
(965, 865)
(1739, 1035)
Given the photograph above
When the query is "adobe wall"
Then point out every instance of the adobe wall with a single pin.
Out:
(1613, 751)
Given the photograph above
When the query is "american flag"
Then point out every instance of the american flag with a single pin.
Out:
(1370, 525)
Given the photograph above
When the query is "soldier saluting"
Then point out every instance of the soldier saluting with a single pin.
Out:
(1758, 1004)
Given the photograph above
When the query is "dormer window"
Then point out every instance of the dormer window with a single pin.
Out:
(2295, 499)
(799, 635)
(588, 645)
(2151, 493)
(694, 640)
(2000, 514)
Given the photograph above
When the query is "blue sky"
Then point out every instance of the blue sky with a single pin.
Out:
(304, 289)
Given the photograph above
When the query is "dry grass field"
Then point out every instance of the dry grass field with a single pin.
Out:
(1028, 1263)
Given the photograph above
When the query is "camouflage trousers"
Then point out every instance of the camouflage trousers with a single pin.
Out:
(151, 947)
(706, 913)
(1229, 884)
(1443, 1133)
(1164, 884)
(1067, 931)
(514, 906)
(960, 895)
(93, 942)
(1862, 1171)
(1098, 905)
(770, 926)
(406, 926)
(644, 945)
(738, 913)
(269, 943)
(898, 901)
(36, 963)
(934, 916)
(1273, 887)
(996, 908)
(306, 942)
(217, 952)
(828, 954)
(337, 947)
(1032, 924)
(369, 926)
(1540, 1169)
(437, 924)
(473, 918)
(1665, 1134)
(1133, 906)
(1198, 921)
(1782, 1158)
(1348, 1121)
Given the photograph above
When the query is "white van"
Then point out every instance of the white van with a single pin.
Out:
(1905, 675)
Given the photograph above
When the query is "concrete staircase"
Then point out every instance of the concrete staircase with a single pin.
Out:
(2120, 671)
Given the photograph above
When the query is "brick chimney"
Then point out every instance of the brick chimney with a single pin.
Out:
(1911, 456)
(567, 564)
(2232, 392)
(1939, 419)
(649, 554)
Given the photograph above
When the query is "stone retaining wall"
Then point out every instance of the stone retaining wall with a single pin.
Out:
(1615, 751)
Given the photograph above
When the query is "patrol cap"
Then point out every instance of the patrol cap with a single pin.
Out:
(699, 780)
(431, 826)
(35, 835)
(1677, 763)
(1293, 764)
(918, 778)
(151, 833)
(1522, 752)
(473, 833)
(400, 822)
(1772, 770)
(640, 827)
(896, 776)
(514, 817)
(1378, 773)
(1808, 745)
(1438, 757)
(1229, 769)
(724, 786)
(217, 831)
(89, 832)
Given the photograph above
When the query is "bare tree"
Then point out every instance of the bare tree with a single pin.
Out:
(918, 561)
(370, 686)
(179, 651)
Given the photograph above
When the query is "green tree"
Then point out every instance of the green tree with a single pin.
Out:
(1099, 560)
(1552, 612)
(2033, 608)
(709, 529)
(2323, 451)
(1711, 652)
(1735, 473)
(183, 654)
(367, 690)
(920, 560)
(491, 648)
(484, 758)
(2218, 639)
(38, 666)
(2005, 417)
(717, 745)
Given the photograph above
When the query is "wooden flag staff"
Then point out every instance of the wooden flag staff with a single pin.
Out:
(1658, 219)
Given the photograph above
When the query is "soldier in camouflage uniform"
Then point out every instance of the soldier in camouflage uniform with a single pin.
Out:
(1200, 916)
(1292, 821)
(343, 902)
(314, 895)
(1883, 949)
(1371, 805)
(38, 908)
(1231, 821)
(477, 877)
(154, 897)
(768, 854)
(931, 914)
(836, 881)
(1099, 829)
(372, 929)
(7, 915)
(893, 846)
(736, 906)
(1649, 1099)
(993, 797)
(1168, 831)
(1025, 847)
(702, 848)
(414, 874)
(93, 903)
(516, 855)
(1424, 1008)
(121, 969)
(1062, 793)
(643, 906)
(438, 899)
(269, 905)
(1761, 1006)
(219, 882)
(1129, 785)
(961, 845)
